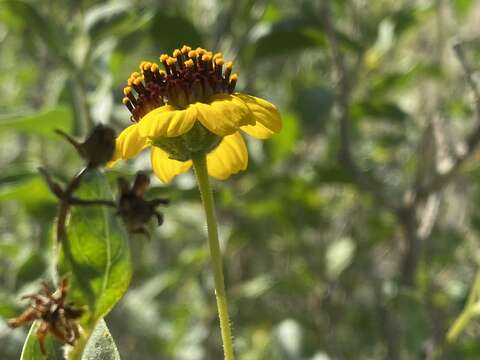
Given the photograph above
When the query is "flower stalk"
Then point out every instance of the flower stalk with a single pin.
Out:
(200, 166)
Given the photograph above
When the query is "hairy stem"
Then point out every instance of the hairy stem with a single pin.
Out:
(200, 165)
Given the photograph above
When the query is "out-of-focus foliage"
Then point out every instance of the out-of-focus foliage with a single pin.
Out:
(317, 266)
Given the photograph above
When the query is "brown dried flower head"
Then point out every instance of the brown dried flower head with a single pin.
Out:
(54, 316)
(133, 208)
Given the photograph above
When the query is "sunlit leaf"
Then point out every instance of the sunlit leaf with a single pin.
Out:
(29, 192)
(101, 344)
(283, 143)
(463, 6)
(289, 336)
(39, 123)
(96, 252)
(338, 256)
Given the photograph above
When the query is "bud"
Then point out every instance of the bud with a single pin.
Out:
(99, 146)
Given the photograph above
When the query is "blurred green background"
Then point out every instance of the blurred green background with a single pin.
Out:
(325, 258)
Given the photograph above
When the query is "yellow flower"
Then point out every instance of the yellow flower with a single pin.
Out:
(192, 107)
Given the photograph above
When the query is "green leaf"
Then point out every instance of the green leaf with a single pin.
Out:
(378, 110)
(335, 174)
(462, 7)
(289, 36)
(314, 105)
(408, 17)
(31, 347)
(170, 32)
(39, 123)
(283, 143)
(101, 344)
(30, 192)
(96, 252)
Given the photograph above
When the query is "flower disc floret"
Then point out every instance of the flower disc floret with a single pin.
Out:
(190, 76)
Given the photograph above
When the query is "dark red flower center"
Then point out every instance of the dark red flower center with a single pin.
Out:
(189, 76)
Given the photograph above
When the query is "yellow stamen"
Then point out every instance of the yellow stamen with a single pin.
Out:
(234, 77)
(164, 57)
(219, 61)
(217, 55)
(207, 57)
(127, 90)
(177, 53)
(137, 81)
(154, 68)
(171, 61)
(200, 51)
(229, 65)
(192, 54)
(125, 101)
(189, 63)
(185, 49)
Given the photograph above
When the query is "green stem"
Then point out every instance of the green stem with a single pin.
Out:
(459, 324)
(76, 352)
(470, 310)
(200, 166)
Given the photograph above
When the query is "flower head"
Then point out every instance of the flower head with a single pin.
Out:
(191, 107)
(53, 314)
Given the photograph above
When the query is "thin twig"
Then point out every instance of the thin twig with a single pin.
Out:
(472, 140)
(66, 198)
(82, 202)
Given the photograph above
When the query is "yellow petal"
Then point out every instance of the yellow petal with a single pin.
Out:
(228, 158)
(224, 114)
(128, 144)
(167, 121)
(266, 115)
(164, 167)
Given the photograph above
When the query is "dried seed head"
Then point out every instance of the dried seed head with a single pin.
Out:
(53, 314)
(135, 211)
